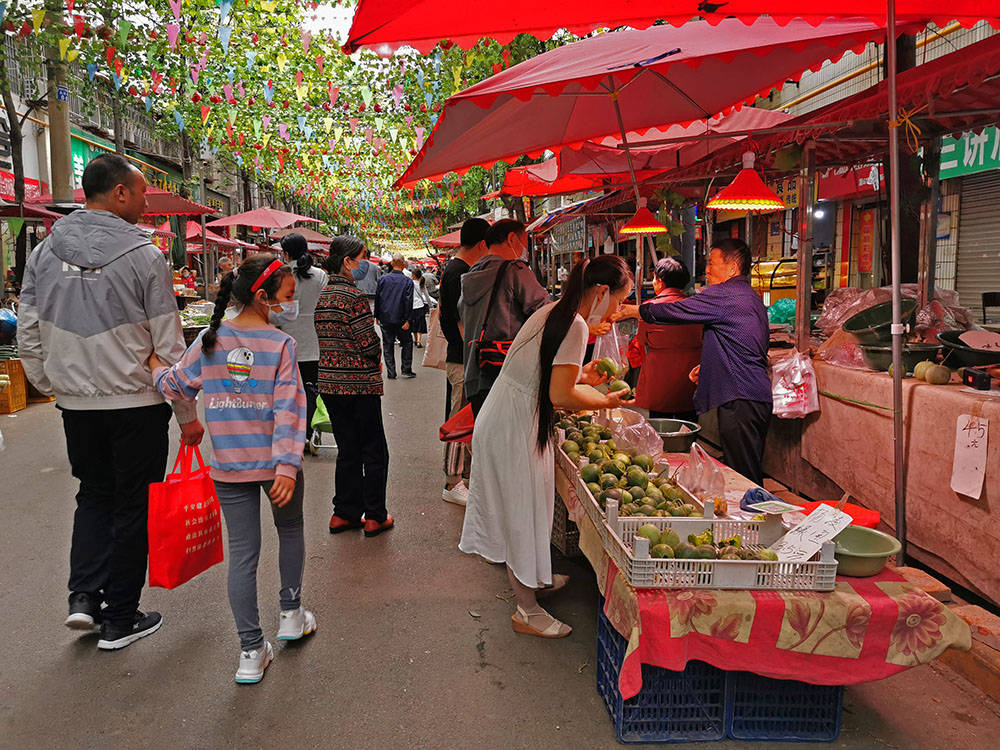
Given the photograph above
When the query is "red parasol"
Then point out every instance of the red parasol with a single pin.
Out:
(384, 25)
(159, 202)
(266, 218)
(452, 239)
(627, 81)
(310, 235)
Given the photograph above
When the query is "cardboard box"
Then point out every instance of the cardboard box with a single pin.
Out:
(15, 396)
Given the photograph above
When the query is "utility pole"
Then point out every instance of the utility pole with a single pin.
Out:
(60, 155)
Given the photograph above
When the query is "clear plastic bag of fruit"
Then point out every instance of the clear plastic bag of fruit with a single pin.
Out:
(632, 433)
(702, 476)
(613, 345)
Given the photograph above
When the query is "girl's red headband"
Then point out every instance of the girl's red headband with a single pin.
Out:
(275, 265)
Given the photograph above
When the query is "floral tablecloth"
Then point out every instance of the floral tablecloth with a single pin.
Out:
(866, 629)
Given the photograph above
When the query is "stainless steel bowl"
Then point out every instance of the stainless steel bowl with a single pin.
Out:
(670, 432)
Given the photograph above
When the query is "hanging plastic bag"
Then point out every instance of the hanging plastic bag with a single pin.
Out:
(632, 432)
(436, 353)
(793, 387)
(185, 524)
(458, 429)
(321, 417)
(702, 476)
(614, 345)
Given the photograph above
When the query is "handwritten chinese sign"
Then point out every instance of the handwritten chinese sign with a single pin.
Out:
(969, 467)
(805, 539)
(971, 153)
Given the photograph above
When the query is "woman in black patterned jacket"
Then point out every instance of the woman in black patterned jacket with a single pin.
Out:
(350, 382)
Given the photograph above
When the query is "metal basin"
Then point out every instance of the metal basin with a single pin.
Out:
(675, 441)
(872, 325)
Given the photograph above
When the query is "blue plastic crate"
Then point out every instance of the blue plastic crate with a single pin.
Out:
(761, 708)
(686, 706)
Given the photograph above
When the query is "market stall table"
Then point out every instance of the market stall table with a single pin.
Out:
(850, 442)
(865, 630)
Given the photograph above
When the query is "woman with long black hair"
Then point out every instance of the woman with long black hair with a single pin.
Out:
(508, 518)
(309, 282)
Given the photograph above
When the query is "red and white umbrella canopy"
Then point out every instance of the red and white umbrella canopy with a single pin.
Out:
(659, 76)
(266, 218)
(385, 25)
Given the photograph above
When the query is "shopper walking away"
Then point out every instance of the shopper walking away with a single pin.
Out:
(309, 282)
(350, 379)
(393, 310)
(472, 248)
(421, 306)
(664, 355)
(499, 290)
(509, 515)
(97, 299)
(733, 376)
(255, 408)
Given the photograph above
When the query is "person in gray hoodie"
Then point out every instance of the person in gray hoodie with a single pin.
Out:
(97, 300)
(518, 296)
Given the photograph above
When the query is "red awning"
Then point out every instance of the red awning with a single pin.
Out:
(159, 202)
(452, 239)
(31, 213)
(266, 218)
(311, 235)
(384, 25)
(659, 77)
(544, 179)
(958, 91)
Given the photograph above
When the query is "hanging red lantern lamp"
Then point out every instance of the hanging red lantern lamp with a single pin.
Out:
(747, 192)
(643, 222)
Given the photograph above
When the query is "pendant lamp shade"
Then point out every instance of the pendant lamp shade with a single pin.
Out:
(747, 192)
(643, 222)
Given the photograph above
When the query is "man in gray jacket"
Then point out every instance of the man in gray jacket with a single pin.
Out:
(97, 300)
(518, 296)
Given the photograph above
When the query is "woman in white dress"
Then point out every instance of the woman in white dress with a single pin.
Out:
(508, 518)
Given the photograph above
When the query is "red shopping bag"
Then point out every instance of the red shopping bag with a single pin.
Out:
(185, 524)
(458, 429)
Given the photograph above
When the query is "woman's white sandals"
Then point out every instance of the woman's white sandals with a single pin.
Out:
(545, 625)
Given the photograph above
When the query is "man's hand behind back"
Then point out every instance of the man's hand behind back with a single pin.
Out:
(192, 433)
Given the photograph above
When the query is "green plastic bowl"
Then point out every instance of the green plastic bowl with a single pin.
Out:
(863, 552)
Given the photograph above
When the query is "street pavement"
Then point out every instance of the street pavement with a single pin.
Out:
(414, 646)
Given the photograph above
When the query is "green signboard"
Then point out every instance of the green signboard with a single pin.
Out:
(973, 152)
(85, 146)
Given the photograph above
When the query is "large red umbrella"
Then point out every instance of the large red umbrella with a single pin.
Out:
(626, 81)
(384, 25)
(452, 239)
(544, 179)
(159, 202)
(266, 218)
(310, 235)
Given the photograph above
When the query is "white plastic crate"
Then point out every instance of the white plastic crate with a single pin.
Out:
(631, 555)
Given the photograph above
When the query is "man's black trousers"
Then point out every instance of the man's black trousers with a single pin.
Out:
(742, 430)
(115, 454)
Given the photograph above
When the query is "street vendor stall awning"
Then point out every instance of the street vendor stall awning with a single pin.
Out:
(157, 231)
(310, 235)
(958, 91)
(585, 207)
(626, 81)
(452, 239)
(544, 179)
(265, 218)
(159, 202)
(28, 212)
(385, 25)
(192, 234)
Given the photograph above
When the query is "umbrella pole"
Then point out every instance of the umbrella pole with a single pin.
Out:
(635, 188)
(897, 326)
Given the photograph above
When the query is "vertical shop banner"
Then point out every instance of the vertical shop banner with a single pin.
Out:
(971, 153)
(866, 240)
(845, 248)
(787, 189)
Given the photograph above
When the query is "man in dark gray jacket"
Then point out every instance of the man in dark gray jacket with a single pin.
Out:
(518, 296)
(97, 300)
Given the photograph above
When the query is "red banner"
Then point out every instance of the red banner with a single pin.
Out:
(32, 188)
(866, 240)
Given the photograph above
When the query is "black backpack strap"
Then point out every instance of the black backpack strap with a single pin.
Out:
(496, 286)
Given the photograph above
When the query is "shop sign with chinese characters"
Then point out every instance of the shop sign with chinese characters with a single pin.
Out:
(787, 189)
(971, 153)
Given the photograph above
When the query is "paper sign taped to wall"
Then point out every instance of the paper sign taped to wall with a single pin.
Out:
(968, 470)
(805, 539)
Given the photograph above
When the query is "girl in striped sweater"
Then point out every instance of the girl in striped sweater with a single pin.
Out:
(255, 414)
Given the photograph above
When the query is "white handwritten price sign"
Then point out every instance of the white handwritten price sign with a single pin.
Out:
(805, 539)
(968, 470)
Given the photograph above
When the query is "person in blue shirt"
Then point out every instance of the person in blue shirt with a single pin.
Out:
(393, 308)
(733, 376)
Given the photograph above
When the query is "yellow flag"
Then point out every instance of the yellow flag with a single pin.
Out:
(300, 92)
(282, 62)
(265, 139)
(268, 7)
(72, 55)
(63, 47)
(327, 123)
(457, 73)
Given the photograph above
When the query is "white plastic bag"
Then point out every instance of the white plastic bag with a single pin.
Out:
(793, 387)
(631, 431)
(702, 476)
(613, 344)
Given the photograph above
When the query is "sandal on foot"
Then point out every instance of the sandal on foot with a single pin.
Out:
(559, 582)
(553, 629)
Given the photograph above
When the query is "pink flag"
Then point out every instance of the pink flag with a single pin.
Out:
(283, 130)
(397, 94)
(195, 70)
(334, 93)
(227, 90)
(353, 122)
(319, 63)
(306, 40)
(409, 119)
(420, 137)
(266, 121)
(175, 6)
(172, 31)
(368, 134)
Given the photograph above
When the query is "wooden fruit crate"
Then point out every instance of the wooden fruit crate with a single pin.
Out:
(15, 396)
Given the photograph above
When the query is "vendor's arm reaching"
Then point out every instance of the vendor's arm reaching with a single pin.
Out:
(704, 308)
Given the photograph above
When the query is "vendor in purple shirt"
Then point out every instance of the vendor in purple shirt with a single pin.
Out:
(733, 375)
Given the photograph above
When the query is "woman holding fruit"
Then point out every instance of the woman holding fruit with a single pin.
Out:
(508, 518)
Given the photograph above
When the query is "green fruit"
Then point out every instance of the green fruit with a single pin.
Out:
(730, 556)
(609, 443)
(651, 532)
(630, 510)
(646, 462)
(688, 510)
(606, 433)
(595, 488)
(661, 551)
(673, 494)
(920, 370)
(584, 418)
(608, 481)
(937, 375)
(607, 366)
(654, 494)
(637, 477)
(595, 456)
(571, 446)
(575, 435)
(619, 385)
(704, 552)
(573, 456)
(767, 554)
(627, 497)
(637, 492)
(590, 473)
(648, 510)
(684, 551)
(614, 467)
(677, 510)
(621, 457)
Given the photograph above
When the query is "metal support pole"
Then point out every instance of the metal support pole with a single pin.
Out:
(899, 473)
(803, 283)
